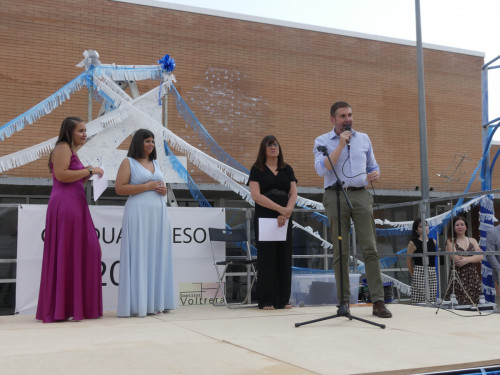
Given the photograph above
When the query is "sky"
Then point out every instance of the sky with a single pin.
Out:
(466, 24)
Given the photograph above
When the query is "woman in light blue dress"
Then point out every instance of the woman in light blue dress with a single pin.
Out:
(146, 272)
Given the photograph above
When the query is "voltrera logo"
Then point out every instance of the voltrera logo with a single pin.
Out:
(188, 235)
(199, 294)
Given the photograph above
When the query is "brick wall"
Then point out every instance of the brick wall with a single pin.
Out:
(245, 80)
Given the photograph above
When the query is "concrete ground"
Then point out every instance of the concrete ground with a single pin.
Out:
(218, 340)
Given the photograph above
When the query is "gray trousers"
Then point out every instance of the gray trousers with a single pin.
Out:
(362, 217)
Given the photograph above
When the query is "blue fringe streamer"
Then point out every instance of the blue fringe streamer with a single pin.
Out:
(99, 95)
(183, 173)
(196, 125)
(43, 108)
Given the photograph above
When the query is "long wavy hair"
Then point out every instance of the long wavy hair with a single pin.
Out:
(260, 163)
(66, 132)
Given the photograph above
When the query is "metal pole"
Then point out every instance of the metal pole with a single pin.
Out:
(424, 168)
(485, 120)
(421, 110)
(164, 111)
(89, 105)
(171, 200)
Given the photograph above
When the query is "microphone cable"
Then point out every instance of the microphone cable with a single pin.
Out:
(345, 162)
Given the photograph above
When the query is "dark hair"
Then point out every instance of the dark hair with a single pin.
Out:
(414, 229)
(260, 163)
(136, 149)
(66, 132)
(451, 229)
(338, 105)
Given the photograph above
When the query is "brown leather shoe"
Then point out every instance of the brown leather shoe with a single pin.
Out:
(380, 310)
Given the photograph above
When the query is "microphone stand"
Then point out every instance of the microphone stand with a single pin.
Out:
(342, 310)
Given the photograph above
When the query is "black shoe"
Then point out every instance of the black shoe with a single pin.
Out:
(345, 307)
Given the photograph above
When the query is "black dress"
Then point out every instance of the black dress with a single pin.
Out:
(274, 258)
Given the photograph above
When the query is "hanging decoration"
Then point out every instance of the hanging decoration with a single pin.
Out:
(91, 58)
(168, 65)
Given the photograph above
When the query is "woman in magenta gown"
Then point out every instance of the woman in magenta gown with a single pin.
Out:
(70, 286)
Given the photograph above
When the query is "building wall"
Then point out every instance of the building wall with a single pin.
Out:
(244, 80)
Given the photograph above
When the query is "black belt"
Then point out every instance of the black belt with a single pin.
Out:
(349, 188)
(275, 192)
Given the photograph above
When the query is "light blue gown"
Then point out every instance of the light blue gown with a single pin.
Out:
(146, 270)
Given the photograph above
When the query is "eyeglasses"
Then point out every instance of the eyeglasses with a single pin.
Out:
(272, 145)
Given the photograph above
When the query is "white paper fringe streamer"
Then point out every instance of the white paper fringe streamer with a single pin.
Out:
(486, 271)
(309, 230)
(489, 290)
(432, 221)
(27, 155)
(112, 90)
(206, 163)
(402, 287)
(487, 203)
(203, 161)
(30, 154)
(309, 203)
(129, 72)
(487, 217)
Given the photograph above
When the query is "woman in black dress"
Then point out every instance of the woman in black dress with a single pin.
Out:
(416, 265)
(274, 189)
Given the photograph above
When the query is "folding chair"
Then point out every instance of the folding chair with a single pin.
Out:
(234, 235)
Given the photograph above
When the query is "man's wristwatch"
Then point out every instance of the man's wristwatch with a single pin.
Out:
(90, 170)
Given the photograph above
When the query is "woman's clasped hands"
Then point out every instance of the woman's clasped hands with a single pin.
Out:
(285, 211)
(158, 186)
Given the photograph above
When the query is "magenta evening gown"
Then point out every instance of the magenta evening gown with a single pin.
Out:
(70, 285)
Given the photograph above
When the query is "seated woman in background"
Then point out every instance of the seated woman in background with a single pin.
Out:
(416, 266)
(465, 265)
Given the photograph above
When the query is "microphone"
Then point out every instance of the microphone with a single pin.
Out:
(348, 128)
(322, 149)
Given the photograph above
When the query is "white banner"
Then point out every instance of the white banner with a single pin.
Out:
(192, 256)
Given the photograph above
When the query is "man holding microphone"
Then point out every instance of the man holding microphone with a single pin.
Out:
(352, 155)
